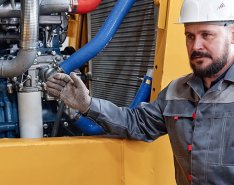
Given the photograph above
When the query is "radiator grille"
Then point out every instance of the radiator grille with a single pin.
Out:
(117, 70)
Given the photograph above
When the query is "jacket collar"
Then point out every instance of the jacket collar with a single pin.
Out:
(196, 83)
(230, 74)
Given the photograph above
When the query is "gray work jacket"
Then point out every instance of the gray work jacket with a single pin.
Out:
(200, 126)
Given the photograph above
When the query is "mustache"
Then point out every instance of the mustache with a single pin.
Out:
(197, 54)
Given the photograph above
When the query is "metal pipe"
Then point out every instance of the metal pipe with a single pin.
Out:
(55, 6)
(7, 11)
(29, 37)
(48, 7)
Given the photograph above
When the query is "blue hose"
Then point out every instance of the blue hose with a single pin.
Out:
(88, 127)
(91, 49)
(143, 94)
(102, 38)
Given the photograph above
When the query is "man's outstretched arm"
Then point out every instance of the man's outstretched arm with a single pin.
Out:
(142, 123)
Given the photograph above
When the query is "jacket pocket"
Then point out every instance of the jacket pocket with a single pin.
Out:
(221, 141)
(179, 122)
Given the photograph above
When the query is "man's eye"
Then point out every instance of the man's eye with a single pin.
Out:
(189, 37)
(207, 35)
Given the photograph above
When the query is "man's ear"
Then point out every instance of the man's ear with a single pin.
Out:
(232, 34)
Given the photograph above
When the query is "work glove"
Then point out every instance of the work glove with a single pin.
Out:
(71, 90)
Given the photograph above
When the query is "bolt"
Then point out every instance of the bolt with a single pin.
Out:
(39, 53)
(14, 79)
(53, 53)
(43, 84)
(57, 58)
(35, 61)
(66, 124)
(29, 77)
(21, 85)
(45, 126)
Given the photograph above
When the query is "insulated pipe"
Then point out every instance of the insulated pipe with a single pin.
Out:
(87, 126)
(48, 7)
(102, 38)
(28, 44)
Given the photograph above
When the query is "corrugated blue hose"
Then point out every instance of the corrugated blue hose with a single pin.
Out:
(102, 38)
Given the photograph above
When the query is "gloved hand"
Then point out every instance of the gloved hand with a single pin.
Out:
(71, 90)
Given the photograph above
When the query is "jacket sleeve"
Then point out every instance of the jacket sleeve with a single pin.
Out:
(144, 123)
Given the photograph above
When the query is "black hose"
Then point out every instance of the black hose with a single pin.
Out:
(57, 120)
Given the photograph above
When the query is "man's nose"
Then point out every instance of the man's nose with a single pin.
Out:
(198, 44)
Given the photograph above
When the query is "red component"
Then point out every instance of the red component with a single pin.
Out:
(84, 6)
(189, 178)
(176, 118)
(194, 115)
(190, 147)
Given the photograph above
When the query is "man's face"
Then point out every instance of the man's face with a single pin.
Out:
(208, 48)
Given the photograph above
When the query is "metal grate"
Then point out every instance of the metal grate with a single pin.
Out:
(117, 70)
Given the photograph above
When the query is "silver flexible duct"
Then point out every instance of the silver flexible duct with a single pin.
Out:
(46, 8)
(29, 37)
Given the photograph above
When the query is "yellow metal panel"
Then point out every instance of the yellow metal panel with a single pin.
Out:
(162, 4)
(77, 31)
(147, 163)
(81, 161)
(74, 30)
(61, 161)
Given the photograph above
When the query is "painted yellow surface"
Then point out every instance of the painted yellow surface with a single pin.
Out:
(79, 161)
(61, 161)
(77, 31)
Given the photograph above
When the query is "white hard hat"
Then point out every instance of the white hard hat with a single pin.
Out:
(193, 11)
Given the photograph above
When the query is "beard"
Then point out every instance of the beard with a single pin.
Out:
(213, 68)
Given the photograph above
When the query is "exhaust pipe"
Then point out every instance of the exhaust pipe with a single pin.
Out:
(48, 7)
(28, 44)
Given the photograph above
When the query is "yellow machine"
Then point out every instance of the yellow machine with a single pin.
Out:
(83, 160)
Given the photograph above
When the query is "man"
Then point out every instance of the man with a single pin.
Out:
(196, 111)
